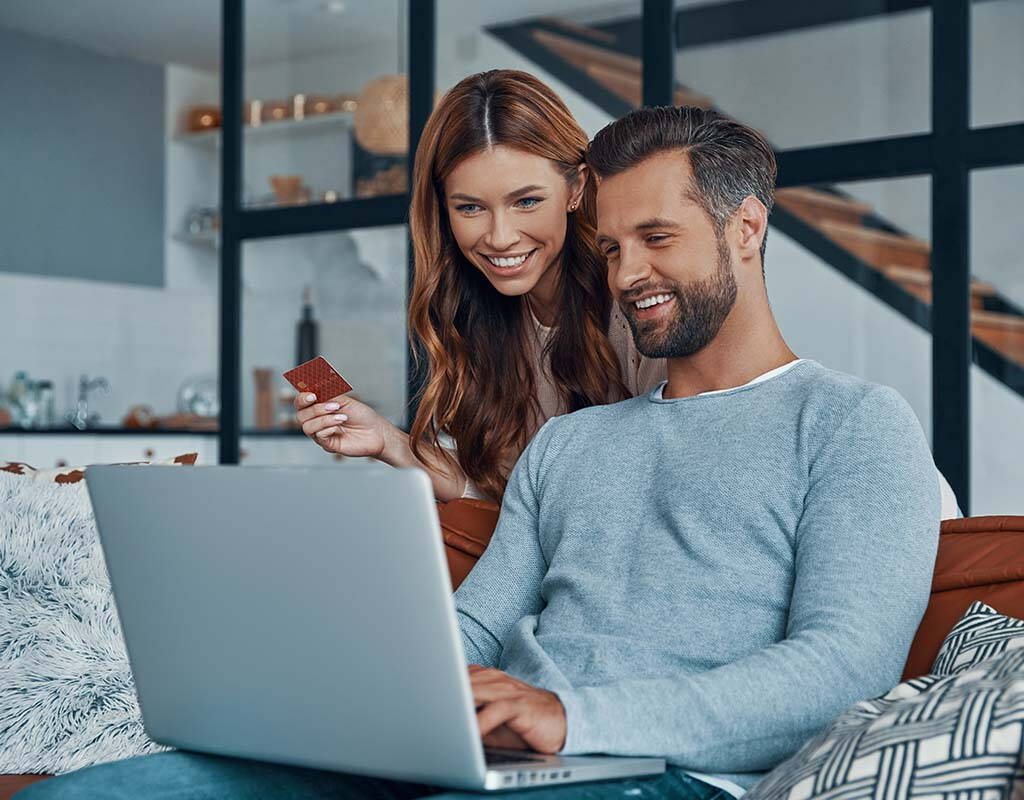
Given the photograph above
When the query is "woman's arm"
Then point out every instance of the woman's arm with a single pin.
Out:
(450, 482)
(347, 427)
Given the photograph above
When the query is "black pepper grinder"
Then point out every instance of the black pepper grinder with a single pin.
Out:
(306, 335)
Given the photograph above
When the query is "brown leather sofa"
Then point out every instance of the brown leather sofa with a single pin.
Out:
(979, 558)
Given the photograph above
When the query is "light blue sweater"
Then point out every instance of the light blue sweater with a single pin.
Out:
(712, 579)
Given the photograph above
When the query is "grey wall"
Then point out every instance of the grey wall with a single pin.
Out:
(81, 163)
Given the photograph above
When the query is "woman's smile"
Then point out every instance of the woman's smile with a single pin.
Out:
(509, 265)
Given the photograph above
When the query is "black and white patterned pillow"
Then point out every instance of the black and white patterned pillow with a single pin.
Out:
(941, 737)
(981, 634)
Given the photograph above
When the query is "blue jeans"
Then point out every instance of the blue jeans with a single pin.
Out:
(191, 776)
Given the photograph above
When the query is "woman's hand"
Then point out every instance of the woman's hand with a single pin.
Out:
(343, 425)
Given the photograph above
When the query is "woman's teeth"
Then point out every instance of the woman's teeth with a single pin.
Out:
(653, 301)
(509, 262)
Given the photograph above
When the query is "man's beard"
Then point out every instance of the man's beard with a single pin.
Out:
(700, 311)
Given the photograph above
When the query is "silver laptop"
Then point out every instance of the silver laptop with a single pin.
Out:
(304, 616)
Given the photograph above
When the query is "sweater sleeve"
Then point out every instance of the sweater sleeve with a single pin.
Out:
(864, 552)
(504, 586)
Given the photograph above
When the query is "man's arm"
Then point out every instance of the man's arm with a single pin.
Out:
(864, 556)
(504, 586)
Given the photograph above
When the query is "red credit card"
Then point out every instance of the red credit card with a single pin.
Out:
(319, 377)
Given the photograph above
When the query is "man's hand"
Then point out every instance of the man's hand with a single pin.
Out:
(515, 715)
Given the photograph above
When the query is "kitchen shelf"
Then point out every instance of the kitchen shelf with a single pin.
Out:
(319, 123)
(107, 431)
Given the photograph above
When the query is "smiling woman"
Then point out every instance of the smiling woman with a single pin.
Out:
(510, 297)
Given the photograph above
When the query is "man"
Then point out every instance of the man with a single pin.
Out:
(680, 574)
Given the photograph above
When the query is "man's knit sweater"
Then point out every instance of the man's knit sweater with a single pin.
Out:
(712, 579)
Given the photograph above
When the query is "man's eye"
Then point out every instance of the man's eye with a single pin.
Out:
(658, 237)
(529, 202)
(612, 248)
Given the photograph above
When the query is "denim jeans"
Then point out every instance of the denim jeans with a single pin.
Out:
(191, 776)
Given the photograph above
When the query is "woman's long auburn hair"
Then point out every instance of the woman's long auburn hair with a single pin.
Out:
(481, 386)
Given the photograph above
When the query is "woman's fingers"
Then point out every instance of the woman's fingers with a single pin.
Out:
(318, 410)
(303, 400)
(314, 426)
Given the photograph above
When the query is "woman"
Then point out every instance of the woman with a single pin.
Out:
(509, 302)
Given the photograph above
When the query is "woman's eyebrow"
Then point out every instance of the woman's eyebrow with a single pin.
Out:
(533, 187)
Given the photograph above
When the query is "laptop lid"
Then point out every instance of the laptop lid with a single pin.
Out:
(300, 615)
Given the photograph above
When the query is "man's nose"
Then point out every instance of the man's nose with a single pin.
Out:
(632, 270)
(502, 234)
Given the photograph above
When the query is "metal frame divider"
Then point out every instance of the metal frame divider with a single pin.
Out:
(951, 311)
(239, 224)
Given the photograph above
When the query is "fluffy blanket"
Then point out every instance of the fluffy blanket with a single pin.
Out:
(67, 698)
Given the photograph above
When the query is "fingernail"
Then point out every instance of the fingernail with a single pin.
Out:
(341, 417)
(332, 406)
(310, 398)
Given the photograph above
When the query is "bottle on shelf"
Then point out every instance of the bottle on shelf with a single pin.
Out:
(307, 332)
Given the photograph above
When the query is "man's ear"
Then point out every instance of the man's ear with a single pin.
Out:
(752, 220)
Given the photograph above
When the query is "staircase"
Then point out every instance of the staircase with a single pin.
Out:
(844, 232)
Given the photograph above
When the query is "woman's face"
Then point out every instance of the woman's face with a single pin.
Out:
(508, 214)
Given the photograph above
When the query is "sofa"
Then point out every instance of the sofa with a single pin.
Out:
(979, 558)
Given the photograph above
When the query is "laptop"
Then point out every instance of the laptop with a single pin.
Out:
(304, 616)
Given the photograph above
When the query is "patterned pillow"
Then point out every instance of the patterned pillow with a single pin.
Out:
(957, 736)
(76, 474)
(980, 634)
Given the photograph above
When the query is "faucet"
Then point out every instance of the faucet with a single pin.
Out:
(81, 417)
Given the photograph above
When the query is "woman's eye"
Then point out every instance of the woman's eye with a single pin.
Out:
(529, 202)
(467, 208)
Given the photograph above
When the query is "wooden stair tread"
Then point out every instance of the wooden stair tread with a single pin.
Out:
(629, 87)
(577, 52)
(581, 30)
(998, 321)
(816, 197)
(921, 277)
(872, 235)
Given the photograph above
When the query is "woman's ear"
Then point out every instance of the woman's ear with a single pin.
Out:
(576, 187)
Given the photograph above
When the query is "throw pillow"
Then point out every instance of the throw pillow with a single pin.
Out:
(980, 634)
(67, 698)
(957, 736)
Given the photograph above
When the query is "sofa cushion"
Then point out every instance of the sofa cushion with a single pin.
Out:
(943, 737)
(979, 558)
(980, 634)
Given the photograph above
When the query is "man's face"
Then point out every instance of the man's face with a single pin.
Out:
(667, 267)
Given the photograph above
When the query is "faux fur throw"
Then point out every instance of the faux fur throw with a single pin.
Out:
(67, 698)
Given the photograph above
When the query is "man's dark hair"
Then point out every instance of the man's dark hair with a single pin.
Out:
(729, 160)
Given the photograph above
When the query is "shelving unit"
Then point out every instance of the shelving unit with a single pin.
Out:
(318, 123)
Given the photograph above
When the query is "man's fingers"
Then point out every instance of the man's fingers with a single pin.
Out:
(493, 715)
(506, 738)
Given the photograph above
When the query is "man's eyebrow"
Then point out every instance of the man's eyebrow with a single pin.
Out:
(510, 196)
(655, 222)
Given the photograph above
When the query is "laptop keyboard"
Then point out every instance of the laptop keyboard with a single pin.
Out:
(493, 759)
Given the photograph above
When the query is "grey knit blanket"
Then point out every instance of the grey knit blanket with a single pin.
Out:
(67, 698)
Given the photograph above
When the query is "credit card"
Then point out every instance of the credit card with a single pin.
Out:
(319, 377)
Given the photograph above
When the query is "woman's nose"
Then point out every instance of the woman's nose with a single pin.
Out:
(502, 234)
